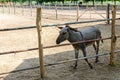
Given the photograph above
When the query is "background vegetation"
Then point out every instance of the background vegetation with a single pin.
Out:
(93, 2)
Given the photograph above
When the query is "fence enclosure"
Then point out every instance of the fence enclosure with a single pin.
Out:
(40, 47)
(76, 9)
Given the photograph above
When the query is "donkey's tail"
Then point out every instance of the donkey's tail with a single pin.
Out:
(99, 32)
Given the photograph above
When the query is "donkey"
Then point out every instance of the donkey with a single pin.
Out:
(73, 35)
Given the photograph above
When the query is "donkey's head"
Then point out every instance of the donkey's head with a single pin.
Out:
(63, 34)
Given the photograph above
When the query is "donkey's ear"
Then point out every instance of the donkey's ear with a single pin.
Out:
(59, 27)
(67, 26)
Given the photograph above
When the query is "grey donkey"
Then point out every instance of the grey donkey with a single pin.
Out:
(73, 35)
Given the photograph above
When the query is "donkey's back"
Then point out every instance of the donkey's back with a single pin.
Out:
(91, 33)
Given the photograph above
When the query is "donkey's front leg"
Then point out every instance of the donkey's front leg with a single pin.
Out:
(84, 54)
(76, 57)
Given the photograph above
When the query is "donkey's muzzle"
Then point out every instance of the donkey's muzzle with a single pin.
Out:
(57, 41)
(60, 39)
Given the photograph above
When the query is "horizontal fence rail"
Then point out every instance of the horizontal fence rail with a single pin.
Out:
(45, 47)
(60, 62)
(70, 23)
(19, 51)
(42, 71)
(20, 28)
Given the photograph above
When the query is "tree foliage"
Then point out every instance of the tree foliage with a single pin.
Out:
(42, 1)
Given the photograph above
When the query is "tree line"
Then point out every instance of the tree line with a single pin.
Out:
(58, 1)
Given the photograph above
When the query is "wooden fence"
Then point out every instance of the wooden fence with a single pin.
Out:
(22, 9)
(40, 45)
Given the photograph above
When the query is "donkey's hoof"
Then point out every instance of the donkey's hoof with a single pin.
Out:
(74, 67)
(96, 61)
(91, 67)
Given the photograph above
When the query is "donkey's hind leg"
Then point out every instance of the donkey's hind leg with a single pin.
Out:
(84, 53)
(97, 50)
(94, 46)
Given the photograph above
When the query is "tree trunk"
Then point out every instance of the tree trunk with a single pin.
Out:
(93, 3)
(115, 2)
(29, 2)
(102, 2)
(62, 1)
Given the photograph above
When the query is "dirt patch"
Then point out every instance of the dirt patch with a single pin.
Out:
(24, 39)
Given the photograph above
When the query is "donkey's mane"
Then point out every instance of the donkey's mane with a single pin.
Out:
(74, 29)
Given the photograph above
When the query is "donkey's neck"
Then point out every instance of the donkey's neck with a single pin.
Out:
(74, 36)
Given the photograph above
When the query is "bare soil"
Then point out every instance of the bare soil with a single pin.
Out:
(24, 39)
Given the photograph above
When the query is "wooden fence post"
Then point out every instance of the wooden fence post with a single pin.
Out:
(31, 9)
(62, 6)
(3, 7)
(113, 36)
(108, 13)
(69, 6)
(56, 12)
(9, 8)
(39, 29)
(49, 7)
(77, 12)
(14, 8)
(22, 7)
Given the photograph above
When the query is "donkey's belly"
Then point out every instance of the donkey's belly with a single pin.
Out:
(89, 36)
(89, 43)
